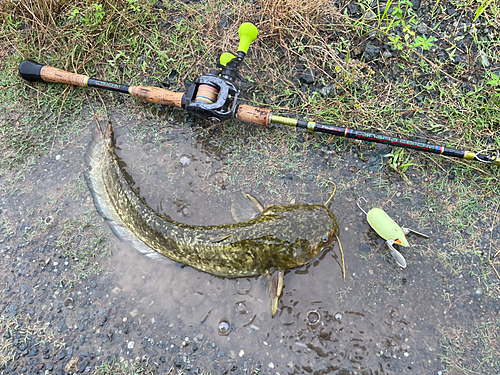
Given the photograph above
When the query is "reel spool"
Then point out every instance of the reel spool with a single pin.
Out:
(207, 93)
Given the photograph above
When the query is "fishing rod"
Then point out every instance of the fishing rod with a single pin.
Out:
(215, 96)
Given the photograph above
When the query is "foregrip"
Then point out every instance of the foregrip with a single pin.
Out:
(254, 115)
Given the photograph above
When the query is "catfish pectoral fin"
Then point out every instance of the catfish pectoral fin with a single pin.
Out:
(275, 285)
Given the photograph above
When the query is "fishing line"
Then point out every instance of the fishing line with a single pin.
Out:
(65, 94)
(336, 236)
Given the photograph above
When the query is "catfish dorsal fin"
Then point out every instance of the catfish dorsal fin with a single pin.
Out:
(245, 207)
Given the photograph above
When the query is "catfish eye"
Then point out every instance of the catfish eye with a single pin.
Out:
(325, 239)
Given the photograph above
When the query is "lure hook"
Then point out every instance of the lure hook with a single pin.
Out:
(357, 203)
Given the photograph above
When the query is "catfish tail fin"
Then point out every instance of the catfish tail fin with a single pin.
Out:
(97, 158)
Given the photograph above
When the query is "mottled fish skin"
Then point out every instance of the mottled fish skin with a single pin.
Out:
(280, 237)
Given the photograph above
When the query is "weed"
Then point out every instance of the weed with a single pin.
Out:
(424, 42)
(481, 9)
(400, 161)
(123, 367)
(21, 328)
(495, 82)
(475, 350)
(85, 244)
(5, 228)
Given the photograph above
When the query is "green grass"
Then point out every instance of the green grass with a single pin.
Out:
(412, 94)
(474, 351)
(123, 367)
(83, 241)
(21, 328)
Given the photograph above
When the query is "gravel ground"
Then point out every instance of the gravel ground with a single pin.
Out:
(75, 300)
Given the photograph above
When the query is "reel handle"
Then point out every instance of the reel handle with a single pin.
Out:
(248, 33)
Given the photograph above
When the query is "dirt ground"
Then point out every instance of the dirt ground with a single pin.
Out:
(75, 299)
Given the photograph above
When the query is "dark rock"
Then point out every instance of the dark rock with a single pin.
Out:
(99, 312)
(178, 362)
(372, 52)
(353, 8)
(61, 355)
(104, 320)
(415, 4)
(307, 78)
(223, 23)
(62, 326)
(422, 29)
(12, 310)
(82, 366)
(33, 352)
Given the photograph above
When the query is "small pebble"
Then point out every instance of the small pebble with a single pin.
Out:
(241, 353)
(224, 327)
(185, 161)
(131, 345)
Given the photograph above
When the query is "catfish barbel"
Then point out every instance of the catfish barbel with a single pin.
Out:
(262, 241)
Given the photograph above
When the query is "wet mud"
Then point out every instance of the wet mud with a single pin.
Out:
(382, 320)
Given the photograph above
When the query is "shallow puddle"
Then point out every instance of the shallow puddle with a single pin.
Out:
(382, 319)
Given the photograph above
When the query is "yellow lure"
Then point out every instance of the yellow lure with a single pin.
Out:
(386, 227)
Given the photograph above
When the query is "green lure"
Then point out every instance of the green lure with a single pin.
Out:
(390, 231)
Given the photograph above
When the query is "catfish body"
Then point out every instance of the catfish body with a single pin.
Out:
(267, 242)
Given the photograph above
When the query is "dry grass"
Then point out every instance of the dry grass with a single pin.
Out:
(97, 29)
(285, 18)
